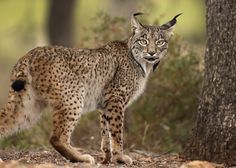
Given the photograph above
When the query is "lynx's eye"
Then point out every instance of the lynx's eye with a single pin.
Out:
(143, 42)
(160, 43)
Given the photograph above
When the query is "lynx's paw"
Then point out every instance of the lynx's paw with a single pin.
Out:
(87, 158)
(106, 157)
(70, 152)
(121, 158)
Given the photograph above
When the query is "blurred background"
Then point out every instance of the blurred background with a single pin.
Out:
(162, 119)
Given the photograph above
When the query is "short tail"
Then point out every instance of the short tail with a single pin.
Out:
(10, 115)
(21, 108)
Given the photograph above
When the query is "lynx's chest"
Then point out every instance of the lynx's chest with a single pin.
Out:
(138, 90)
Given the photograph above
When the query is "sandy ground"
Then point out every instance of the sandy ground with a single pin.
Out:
(51, 159)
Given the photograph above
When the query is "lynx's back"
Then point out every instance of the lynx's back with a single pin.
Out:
(52, 68)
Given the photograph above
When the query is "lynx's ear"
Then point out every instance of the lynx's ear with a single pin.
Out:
(135, 25)
(169, 26)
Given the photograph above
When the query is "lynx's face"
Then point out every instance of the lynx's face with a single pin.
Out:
(149, 43)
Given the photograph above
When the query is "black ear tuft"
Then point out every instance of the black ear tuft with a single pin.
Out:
(155, 66)
(170, 23)
(138, 13)
(18, 85)
(173, 21)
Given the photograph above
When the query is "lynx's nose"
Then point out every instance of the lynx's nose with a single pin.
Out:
(151, 53)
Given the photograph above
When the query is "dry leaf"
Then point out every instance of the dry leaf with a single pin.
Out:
(145, 159)
(200, 164)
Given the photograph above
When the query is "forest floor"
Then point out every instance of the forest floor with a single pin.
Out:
(52, 159)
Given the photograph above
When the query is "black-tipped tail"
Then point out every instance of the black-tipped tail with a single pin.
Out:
(170, 23)
(18, 85)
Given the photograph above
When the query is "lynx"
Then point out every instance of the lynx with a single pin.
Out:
(73, 81)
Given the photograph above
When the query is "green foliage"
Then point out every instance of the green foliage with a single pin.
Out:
(103, 30)
(160, 120)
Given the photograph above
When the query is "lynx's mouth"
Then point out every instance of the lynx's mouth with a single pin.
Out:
(151, 59)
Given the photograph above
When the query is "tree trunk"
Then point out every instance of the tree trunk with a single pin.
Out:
(60, 22)
(214, 136)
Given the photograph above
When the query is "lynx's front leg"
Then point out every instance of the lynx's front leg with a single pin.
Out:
(105, 140)
(114, 114)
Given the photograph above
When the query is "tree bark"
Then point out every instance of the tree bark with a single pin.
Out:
(60, 22)
(214, 136)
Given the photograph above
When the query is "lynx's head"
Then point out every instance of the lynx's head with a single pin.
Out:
(148, 44)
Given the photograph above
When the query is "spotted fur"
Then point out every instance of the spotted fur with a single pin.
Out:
(73, 81)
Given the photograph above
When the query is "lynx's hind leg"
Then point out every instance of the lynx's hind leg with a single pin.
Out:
(65, 116)
(67, 107)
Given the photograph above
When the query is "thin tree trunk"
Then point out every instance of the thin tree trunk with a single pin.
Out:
(60, 22)
(214, 136)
